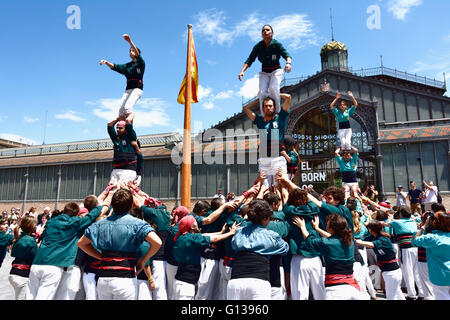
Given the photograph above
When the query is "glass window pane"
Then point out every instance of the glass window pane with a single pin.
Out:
(428, 162)
(424, 110)
(412, 107)
(442, 165)
(376, 91)
(388, 169)
(400, 165)
(414, 164)
(343, 86)
(447, 110)
(365, 92)
(389, 106)
(436, 109)
(400, 106)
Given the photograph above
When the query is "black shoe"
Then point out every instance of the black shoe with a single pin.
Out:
(409, 298)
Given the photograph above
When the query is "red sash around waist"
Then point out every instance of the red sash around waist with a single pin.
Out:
(335, 279)
(21, 266)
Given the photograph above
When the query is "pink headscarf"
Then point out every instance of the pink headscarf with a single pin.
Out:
(82, 211)
(152, 202)
(179, 213)
(184, 226)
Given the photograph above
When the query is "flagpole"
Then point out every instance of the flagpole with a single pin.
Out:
(186, 165)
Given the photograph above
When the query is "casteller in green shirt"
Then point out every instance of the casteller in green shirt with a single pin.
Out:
(60, 237)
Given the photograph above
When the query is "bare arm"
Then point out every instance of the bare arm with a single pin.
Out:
(213, 238)
(155, 244)
(338, 96)
(216, 214)
(366, 244)
(113, 122)
(109, 64)
(241, 74)
(128, 39)
(287, 101)
(248, 109)
(355, 103)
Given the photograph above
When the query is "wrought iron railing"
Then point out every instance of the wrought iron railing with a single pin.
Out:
(398, 74)
(91, 145)
(369, 72)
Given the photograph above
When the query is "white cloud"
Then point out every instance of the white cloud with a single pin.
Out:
(203, 92)
(209, 105)
(17, 138)
(30, 120)
(399, 8)
(149, 111)
(224, 95)
(207, 98)
(250, 88)
(70, 115)
(296, 31)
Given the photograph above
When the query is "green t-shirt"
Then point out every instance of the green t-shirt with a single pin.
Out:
(343, 116)
(269, 56)
(188, 248)
(333, 250)
(277, 126)
(347, 166)
(60, 237)
(327, 209)
(133, 71)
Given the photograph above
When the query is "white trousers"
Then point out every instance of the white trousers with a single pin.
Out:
(427, 287)
(345, 137)
(441, 292)
(343, 292)
(367, 281)
(69, 284)
(358, 274)
(129, 99)
(307, 273)
(44, 281)
(279, 293)
(183, 290)
(159, 276)
(111, 288)
(143, 289)
(375, 276)
(410, 272)
(270, 167)
(392, 282)
(269, 86)
(20, 286)
(248, 289)
(209, 275)
(171, 271)
(225, 277)
(90, 286)
(122, 175)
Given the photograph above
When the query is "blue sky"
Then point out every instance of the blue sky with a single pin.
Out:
(52, 82)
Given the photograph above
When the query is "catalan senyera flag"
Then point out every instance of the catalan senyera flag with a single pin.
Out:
(194, 78)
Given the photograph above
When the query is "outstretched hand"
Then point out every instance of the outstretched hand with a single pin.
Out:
(126, 37)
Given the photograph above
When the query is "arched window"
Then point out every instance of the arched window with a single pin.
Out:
(316, 135)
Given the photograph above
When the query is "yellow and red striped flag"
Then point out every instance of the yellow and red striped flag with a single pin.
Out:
(194, 79)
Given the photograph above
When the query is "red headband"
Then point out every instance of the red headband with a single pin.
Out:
(184, 226)
(179, 213)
